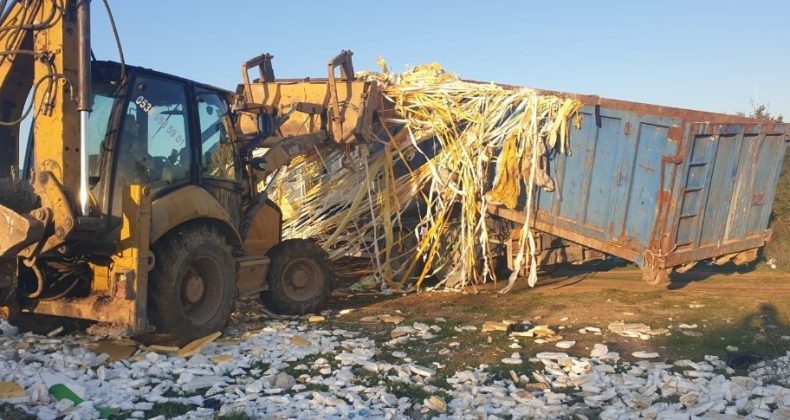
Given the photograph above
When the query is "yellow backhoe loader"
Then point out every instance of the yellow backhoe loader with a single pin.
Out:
(142, 201)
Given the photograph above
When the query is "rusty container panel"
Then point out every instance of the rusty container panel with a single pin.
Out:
(664, 187)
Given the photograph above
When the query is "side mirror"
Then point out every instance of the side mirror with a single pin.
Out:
(247, 124)
(265, 124)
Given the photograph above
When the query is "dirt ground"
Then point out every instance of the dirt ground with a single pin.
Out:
(750, 311)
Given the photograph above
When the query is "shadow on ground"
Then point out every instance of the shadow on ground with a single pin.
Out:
(757, 335)
(702, 273)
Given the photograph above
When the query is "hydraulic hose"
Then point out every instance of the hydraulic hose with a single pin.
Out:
(39, 280)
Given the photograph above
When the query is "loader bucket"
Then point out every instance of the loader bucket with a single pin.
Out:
(343, 106)
(17, 231)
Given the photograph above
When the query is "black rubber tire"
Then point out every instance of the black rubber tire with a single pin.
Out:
(198, 251)
(304, 258)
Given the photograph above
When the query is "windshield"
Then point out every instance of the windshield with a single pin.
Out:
(103, 98)
(98, 122)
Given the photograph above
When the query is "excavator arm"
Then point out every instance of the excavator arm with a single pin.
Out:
(16, 79)
(46, 52)
(65, 255)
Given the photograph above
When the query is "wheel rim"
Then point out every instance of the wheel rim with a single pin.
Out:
(303, 279)
(201, 292)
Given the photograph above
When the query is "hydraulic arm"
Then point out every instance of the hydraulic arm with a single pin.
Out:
(161, 177)
(46, 51)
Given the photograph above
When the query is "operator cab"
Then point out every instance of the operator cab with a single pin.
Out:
(156, 130)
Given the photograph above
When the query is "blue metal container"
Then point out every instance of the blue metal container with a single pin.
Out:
(664, 187)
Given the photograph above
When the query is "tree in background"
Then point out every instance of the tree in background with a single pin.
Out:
(762, 112)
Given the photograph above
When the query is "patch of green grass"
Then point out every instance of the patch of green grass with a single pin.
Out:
(236, 415)
(308, 361)
(171, 393)
(315, 387)
(620, 368)
(447, 331)
(420, 352)
(413, 392)
(669, 399)
(570, 392)
(758, 331)
(365, 377)
(440, 381)
(387, 357)
(441, 393)
(695, 348)
(261, 365)
(502, 371)
(9, 412)
(631, 298)
(170, 409)
(476, 309)
(776, 379)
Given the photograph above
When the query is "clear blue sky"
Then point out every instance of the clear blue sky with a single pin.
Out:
(710, 55)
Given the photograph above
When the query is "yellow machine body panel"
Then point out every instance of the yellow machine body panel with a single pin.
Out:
(183, 205)
(357, 100)
(264, 231)
(106, 190)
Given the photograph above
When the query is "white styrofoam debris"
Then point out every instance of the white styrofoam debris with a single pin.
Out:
(599, 350)
(565, 344)
(645, 354)
(264, 373)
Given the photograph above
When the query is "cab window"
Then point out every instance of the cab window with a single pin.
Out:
(217, 155)
(153, 147)
(103, 99)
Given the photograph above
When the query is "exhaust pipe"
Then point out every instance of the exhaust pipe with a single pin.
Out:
(84, 105)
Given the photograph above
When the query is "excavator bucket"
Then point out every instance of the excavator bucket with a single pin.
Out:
(18, 231)
(17, 228)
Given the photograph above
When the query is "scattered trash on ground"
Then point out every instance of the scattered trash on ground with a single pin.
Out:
(389, 319)
(643, 331)
(292, 368)
(565, 344)
(489, 326)
(645, 355)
